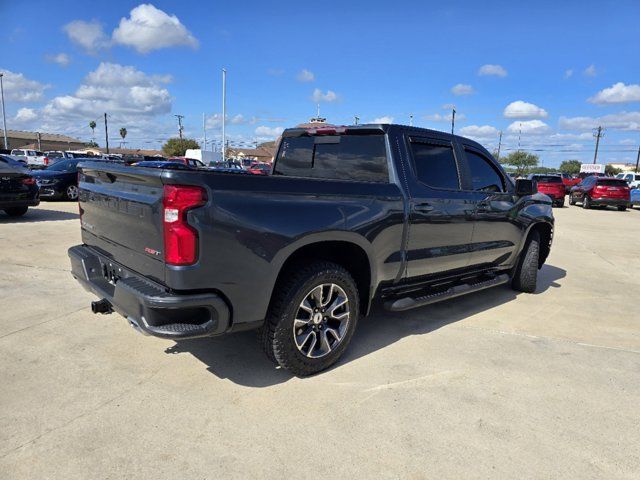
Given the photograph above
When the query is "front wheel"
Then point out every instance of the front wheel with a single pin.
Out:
(586, 202)
(71, 192)
(525, 277)
(311, 319)
(572, 200)
(16, 211)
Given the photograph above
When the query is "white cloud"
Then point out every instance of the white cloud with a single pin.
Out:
(495, 70)
(384, 119)
(329, 96)
(447, 117)
(590, 71)
(628, 121)
(531, 127)
(19, 88)
(270, 132)
(448, 106)
(462, 89)
(306, 76)
(477, 131)
(89, 35)
(617, 93)
(520, 109)
(127, 94)
(215, 121)
(627, 141)
(26, 115)
(149, 28)
(62, 59)
(568, 73)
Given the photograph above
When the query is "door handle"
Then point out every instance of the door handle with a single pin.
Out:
(423, 207)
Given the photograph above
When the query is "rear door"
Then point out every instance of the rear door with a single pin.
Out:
(121, 214)
(496, 233)
(441, 215)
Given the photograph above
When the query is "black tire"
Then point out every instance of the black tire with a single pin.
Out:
(16, 211)
(277, 335)
(586, 202)
(560, 203)
(621, 208)
(525, 277)
(572, 200)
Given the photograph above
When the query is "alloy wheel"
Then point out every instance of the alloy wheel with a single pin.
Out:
(72, 192)
(321, 320)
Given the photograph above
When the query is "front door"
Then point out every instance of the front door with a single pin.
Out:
(440, 233)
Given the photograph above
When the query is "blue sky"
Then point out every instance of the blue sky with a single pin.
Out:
(552, 71)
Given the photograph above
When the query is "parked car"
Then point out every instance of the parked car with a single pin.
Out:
(634, 197)
(57, 155)
(163, 164)
(260, 169)
(633, 179)
(192, 162)
(34, 158)
(344, 219)
(601, 191)
(60, 180)
(18, 189)
(552, 186)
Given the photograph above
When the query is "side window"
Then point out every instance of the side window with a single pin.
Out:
(435, 165)
(347, 157)
(484, 176)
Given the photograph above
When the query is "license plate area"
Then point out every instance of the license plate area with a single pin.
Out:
(111, 273)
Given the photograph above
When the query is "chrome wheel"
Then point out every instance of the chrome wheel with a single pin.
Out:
(321, 320)
(72, 192)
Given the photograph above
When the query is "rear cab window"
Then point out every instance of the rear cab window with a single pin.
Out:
(434, 163)
(361, 158)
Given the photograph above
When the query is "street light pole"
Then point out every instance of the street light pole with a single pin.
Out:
(224, 114)
(4, 117)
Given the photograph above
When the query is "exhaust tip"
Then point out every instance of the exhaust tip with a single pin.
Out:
(101, 306)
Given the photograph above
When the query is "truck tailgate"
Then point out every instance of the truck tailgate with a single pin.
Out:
(121, 209)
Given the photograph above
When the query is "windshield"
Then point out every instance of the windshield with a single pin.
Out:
(547, 179)
(69, 165)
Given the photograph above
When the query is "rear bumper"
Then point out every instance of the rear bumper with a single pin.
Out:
(147, 305)
(613, 202)
(21, 202)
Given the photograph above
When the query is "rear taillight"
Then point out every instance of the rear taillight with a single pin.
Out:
(180, 238)
(46, 161)
(29, 181)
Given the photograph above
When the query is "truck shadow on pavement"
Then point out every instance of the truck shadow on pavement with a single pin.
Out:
(239, 358)
(39, 215)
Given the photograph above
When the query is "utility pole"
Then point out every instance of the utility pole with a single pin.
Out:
(39, 136)
(519, 135)
(411, 119)
(453, 119)
(356, 119)
(4, 117)
(204, 132)
(106, 133)
(224, 113)
(179, 117)
(499, 145)
(597, 133)
(637, 159)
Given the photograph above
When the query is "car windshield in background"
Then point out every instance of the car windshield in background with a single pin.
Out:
(612, 182)
(55, 155)
(68, 165)
(547, 179)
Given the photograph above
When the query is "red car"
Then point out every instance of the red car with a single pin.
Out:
(569, 181)
(260, 169)
(601, 191)
(552, 186)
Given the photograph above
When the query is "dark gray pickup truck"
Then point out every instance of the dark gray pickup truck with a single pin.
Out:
(349, 214)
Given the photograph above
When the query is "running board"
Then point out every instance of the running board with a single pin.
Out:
(407, 303)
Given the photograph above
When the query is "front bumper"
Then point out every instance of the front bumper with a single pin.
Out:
(48, 192)
(148, 306)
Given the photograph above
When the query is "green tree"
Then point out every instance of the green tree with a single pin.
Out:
(92, 126)
(176, 147)
(123, 134)
(521, 161)
(611, 171)
(92, 144)
(572, 167)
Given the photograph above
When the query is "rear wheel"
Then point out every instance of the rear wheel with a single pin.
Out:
(525, 277)
(586, 202)
(312, 318)
(71, 192)
(621, 208)
(560, 203)
(572, 200)
(16, 211)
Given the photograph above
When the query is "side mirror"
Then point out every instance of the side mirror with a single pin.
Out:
(526, 187)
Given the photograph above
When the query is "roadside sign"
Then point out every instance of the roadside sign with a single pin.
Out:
(592, 168)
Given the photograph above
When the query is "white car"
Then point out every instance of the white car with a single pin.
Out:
(33, 157)
(633, 179)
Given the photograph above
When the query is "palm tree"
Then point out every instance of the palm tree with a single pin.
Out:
(92, 126)
(123, 134)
